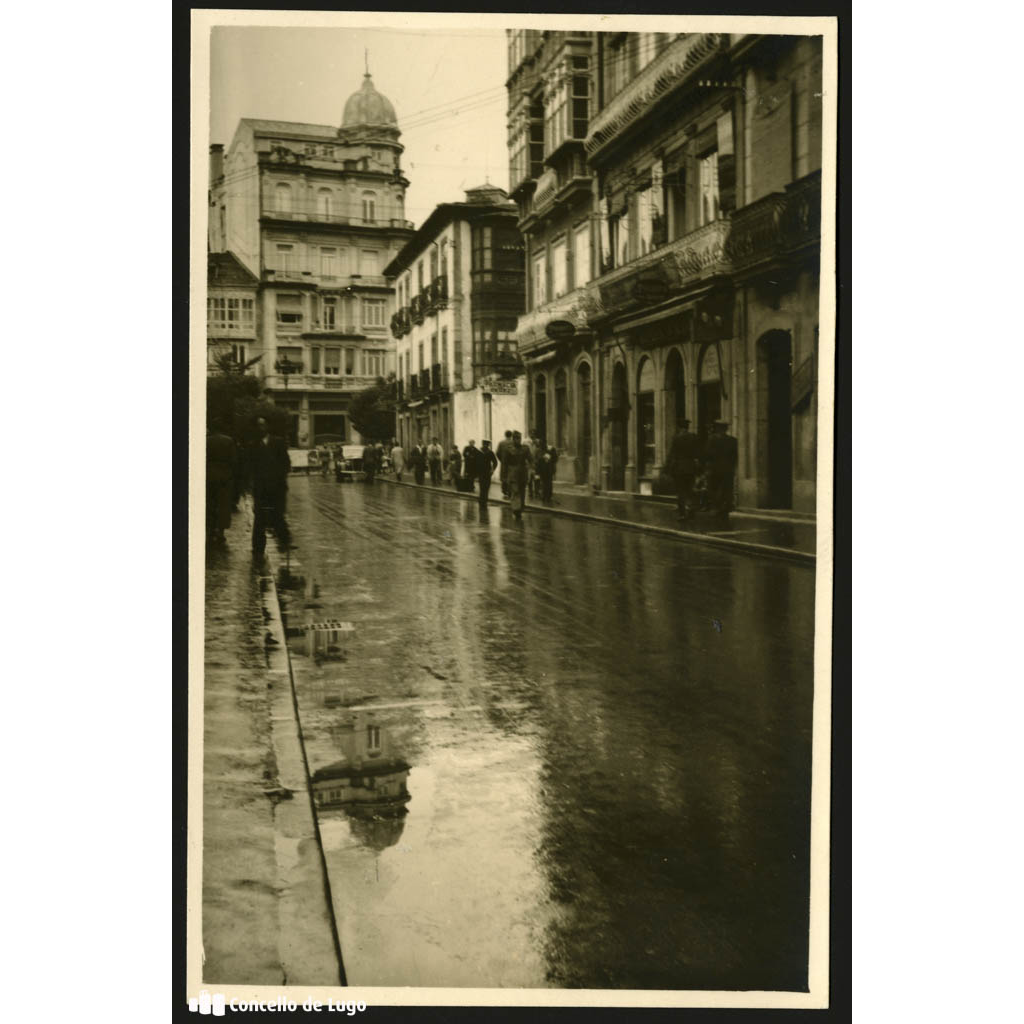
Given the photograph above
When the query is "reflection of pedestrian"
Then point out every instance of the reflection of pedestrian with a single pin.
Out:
(485, 463)
(369, 463)
(220, 482)
(503, 447)
(398, 461)
(455, 465)
(268, 467)
(518, 465)
(682, 466)
(434, 454)
(418, 461)
(720, 457)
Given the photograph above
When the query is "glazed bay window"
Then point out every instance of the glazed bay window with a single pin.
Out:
(289, 312)
(373, 312)
(559, 277)
(226, 314)
(537, 138)
(540, 279)
(482, 248)
(579, 113)
(332, 361)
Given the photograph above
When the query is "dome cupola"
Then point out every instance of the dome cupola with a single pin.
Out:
(368, 107)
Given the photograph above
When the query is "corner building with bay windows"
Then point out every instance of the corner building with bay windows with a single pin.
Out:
(669, 192)
(315, 212)
(460, 289)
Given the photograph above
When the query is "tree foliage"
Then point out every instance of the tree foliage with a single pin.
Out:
(234, 401)
(372, 411)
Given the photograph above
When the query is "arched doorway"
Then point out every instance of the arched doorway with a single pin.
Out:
(646, 449)
(540, 409)
(561, 409)
(675, 395)
(584, 434)
(775, 358)
(618, 417)
(709, 391)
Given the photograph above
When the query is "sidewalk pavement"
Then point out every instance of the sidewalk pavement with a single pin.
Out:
(266, 917)
(792, 537)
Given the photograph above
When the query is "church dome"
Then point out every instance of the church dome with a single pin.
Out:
(367, 106)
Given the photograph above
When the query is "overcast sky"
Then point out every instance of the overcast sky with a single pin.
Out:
(447, 88)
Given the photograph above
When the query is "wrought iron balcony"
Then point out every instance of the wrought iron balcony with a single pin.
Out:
(401, 322)
(424, 381)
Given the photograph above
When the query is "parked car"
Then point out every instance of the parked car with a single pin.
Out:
(348, 463)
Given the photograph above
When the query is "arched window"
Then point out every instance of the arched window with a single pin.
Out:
(323, 203)
(369, 207)
(283, 197)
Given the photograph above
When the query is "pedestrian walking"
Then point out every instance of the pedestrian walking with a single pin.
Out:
(455, 466)
(485, 462)
(682, 465)
(545, 471)
(519, 464)
(720, 458)
(434, 455)
(268, 473)
(418, 461)
(369, 462)
(398, 460)
(503, 447)
(221, 471)
(470, 454)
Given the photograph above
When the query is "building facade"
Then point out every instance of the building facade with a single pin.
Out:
(703, 156)
(460, 288)
(315, 212)
(232, 295)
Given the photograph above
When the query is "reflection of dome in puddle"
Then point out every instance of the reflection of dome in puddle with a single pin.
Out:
(377, 832)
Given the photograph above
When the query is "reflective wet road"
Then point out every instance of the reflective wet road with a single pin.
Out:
(551, 753)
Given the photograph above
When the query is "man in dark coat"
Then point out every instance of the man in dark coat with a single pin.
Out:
(220, 482)
(434, 455)
(682, 465)
(503, 447)
(720, 458)
(418, 461)
(485, 463)
(268, 469)
(469, 457)
(369, 462)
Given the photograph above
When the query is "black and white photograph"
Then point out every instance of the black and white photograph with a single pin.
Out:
(510, 504)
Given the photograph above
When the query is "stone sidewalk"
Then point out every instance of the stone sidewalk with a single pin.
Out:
(266, 909)
(791, 537)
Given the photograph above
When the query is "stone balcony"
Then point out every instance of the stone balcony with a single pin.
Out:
(318, 382)
(669, 70)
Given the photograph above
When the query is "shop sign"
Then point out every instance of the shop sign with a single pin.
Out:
(495, 386)
(557, 329)
(710, 368)
(650, 288)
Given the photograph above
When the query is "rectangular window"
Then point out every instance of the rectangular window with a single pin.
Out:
(708, 185)
(482, 248)
(289, 311)
(540, 280)
(444, 356)
(368, 263)
(373, 362)
(314, 360)
(289, 360)
(350, 361)
(421, 355)
(644, 216)
(373, 312)
(238, 355)
(433, 350)
(287, 258)
(329, 310)
(581, 255)
(332, 361)
(328, 262)
(580, 112)
(559, 278)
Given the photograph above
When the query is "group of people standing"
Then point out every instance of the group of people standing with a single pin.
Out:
(525, 467)
(703, 472)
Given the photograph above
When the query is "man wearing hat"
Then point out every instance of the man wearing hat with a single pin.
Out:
(682, 466)
(484, 464)
(720, 458)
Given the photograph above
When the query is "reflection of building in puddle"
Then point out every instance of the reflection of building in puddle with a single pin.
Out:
(368, 783)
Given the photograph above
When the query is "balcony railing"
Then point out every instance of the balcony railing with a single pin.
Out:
(670, 69)
(230, 327)
(777, 224)
(401, 322)
(315, 216)
(318, 327)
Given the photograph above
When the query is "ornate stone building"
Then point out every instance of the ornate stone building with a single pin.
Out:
(703, 153)
(315, 212)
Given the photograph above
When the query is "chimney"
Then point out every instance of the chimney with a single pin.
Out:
(216, 162)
